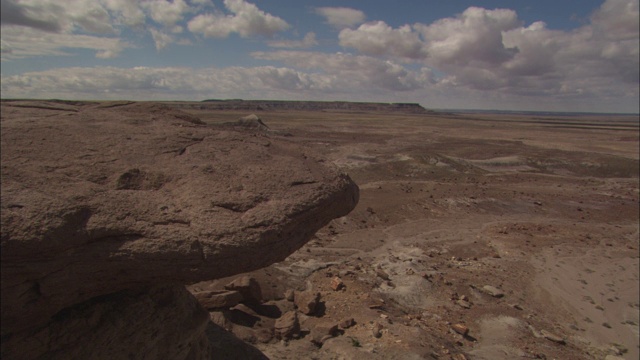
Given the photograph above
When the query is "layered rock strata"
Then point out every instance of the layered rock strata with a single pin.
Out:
(103, 198)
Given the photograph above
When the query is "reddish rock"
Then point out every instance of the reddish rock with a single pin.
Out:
(336, 284)
(218, 299)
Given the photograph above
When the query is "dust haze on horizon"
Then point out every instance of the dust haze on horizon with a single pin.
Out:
(489, 54)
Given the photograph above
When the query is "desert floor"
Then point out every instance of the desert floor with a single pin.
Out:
(544, 209)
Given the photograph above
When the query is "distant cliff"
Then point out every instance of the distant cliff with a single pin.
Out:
(272, 105)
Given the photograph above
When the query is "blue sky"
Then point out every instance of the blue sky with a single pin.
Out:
(563, 55)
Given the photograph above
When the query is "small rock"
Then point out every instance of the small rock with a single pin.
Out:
(517, 306)
(465, 304)
(336, 283)
(346, 323)
(381, 274)
(307, 301)
(493, 291)
(552, 337)
(613, 357)
(377, 330)
(323, 331)
(287, 326)
(460, 329)
(289, 295)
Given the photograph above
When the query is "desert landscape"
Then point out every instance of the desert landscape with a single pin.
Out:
(315, 232)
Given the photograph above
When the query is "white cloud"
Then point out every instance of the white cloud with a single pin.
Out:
(57, 16)
(308, 41)
(353, 72)
(378, 38)
(165, 12)
(126, 12)
(28, 42)
(341, 17)
(247, 20)
(160, 38)
(491, 50)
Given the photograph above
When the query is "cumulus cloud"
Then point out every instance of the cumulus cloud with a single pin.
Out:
(165, 12)
(246, 20)
(341, 17)
(308, 41)
(492, 50)
(160, 38)
(57, 16)
(378, 38)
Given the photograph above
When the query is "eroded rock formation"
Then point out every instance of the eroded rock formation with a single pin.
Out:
(105, 198)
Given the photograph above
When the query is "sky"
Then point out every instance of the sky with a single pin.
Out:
(560, 55)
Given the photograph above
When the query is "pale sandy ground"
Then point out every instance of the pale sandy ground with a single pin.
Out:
(547, 214)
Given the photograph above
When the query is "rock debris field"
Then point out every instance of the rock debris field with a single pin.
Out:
(165, 230)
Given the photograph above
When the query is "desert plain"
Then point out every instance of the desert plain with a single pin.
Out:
(476, 236)
(544, 208)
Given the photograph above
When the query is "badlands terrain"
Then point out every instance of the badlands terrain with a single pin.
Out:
(475, 236)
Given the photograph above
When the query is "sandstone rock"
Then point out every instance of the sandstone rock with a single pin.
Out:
(552, 337)
(289, 295)
(463, 303)
(323, 331)
(460, 329)
(346, 323)
(218, 299)
(377, 330)
(252, 122)
(336, 283)
(248, 287)
(119, 196)
(492, 290)
(287, 326)
(307, 301)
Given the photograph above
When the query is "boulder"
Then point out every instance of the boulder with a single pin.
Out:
(105, 198)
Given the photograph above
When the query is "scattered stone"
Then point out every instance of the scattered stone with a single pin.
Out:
(517, 306)
(460, 329)
(337, 284)
(381, 274)
(323, 331)
(459, 357)
(493, 291)
(552, 337)
(307, 301)
(289, 295)
(346, 323)
(218, 299)
(537, 203)
(463, 303)
(613, 357)
(377, 329)
(248, 287)
(264, 335)
(287, 326)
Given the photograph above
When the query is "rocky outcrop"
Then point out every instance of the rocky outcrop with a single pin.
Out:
(103, 198)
